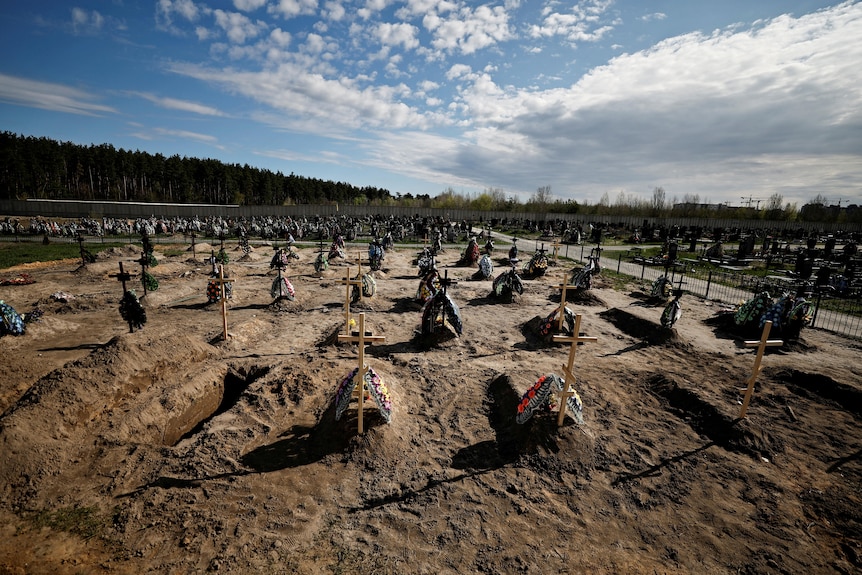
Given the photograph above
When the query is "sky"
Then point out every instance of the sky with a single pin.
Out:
(724, 102)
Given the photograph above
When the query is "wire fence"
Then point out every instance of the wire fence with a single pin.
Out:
(839, 312)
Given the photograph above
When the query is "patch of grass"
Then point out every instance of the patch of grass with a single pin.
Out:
(17, 253)
(85, 522)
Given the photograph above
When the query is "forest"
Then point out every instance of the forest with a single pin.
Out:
(47, 169)
(42, 168)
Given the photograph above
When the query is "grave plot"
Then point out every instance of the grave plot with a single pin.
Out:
(647, 330)
(539, 443)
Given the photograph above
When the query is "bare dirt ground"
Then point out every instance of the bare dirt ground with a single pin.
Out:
(168, 450)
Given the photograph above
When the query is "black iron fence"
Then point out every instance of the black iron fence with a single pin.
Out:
(838, 310)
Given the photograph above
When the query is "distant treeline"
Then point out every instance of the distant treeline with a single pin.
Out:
(47, 169)
(41, 168)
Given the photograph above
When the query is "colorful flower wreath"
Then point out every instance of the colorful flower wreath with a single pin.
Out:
(281, 287)
(542, 395)
(380, 393)
(214, 291)
(344, 393)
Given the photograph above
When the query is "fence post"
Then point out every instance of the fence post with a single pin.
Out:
(708, 282)
(643, 269)
(619, 262)
(816, 309)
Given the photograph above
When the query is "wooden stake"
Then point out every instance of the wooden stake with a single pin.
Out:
(569, 384)
(761, 346)
(556, 246)
(362, 339)
(123, 277)
(348, 283)
(562, 312)
(222, 281)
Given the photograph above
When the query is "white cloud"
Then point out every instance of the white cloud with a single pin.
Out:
(581, 24)
(776, 108)
(238, 27)
(50, 96)
(280, 38)
(315, 102)
(177, 104)
(186, 135)
(335, 11)
(167, 10)
(248, 5)
(84, 22)
(397, 34)
(653, 16)
(293, 8)
(469, 30)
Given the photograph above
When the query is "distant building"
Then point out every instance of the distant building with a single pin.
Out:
(691, 207)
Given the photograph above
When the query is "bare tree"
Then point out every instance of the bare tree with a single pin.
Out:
(542, 197)
(658, 201)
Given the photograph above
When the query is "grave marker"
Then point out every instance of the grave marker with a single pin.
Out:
(362, 338)
(556, 245)
(130, 307)
(122, 277)
(221, 281)
(562, 312)
(569, 381)
(349, 283)
(761, 346)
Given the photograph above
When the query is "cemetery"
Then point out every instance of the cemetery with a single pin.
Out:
(280, 407)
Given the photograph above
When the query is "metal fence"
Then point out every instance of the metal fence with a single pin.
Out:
(837, 312)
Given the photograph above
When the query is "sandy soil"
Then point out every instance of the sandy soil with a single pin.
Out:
(169, 450)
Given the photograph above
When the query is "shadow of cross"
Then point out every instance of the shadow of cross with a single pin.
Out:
(569, 383)
(123, 276)
(362, 338)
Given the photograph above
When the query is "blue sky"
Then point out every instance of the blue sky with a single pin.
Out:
(720, 100)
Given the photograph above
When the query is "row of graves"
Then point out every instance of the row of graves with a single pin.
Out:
(440, 315)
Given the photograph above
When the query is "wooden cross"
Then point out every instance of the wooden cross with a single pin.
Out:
(222, 281)
(143, 261)
(569, 384)
(445, 282)
(556, 246)
(81, 249)
(123, 277)
(362, 339)
(562, 312)
(348, 283)
(761, 346)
